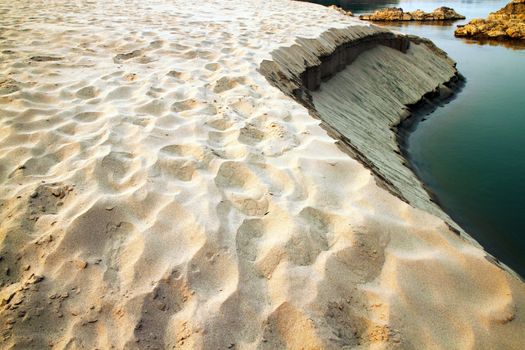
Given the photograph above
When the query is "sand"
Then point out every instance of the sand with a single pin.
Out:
(371, 125)
(156, 191)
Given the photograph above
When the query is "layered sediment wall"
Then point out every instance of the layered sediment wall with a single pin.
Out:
(380, 75)
(346, 53)
(304, 66)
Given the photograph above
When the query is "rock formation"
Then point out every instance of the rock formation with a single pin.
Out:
(397, 14)
(506, 23)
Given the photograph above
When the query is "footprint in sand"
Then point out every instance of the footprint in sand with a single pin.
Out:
(193, 104)
(120, 93)
(235, 175)
(179, 169)
(118, 170)
(174, 74)
(181, 161)
(244, 106)
(206, 55)
(212, 66)
(121, 57)
(227, 83)
(155, 108)
(250, 135)
(247, 235)
(87, 92)
(220, 124)
(87, 117)
(185, 105)
(157, 44)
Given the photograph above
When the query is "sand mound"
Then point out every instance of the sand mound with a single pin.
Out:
(157, 192)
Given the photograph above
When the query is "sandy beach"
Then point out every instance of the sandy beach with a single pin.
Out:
(157, 191)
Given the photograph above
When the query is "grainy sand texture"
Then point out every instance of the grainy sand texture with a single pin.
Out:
(158, 192)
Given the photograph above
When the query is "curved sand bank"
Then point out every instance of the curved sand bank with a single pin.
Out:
(158, 192)
(370, 77)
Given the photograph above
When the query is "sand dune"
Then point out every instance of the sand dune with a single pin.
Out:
(158, 192)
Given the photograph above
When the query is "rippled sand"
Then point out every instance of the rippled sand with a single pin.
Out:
(157, 192)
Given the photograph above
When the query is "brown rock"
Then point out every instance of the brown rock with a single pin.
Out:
(506, 23)
(397, 14)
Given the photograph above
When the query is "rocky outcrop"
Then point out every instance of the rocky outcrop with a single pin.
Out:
(397, 14)
(507, 23)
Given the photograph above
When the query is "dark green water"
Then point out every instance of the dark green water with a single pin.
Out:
(471, 152)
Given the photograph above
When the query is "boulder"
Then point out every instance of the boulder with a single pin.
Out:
(397, 14)
(506, 23)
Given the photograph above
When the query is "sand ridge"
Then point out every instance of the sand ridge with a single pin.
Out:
(157, 192)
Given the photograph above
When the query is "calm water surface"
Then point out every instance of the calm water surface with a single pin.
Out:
(471, 152)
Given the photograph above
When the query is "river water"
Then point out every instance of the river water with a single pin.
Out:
(471, 152)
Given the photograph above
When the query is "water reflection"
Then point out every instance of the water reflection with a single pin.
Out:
(400, 24)
(513, 45)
